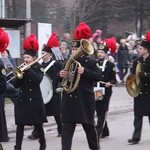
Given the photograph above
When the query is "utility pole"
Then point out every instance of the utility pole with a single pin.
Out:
(139, 11)
(28, 16)
(2, 8)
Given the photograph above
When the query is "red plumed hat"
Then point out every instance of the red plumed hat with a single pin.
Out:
(146, 42)
(82, 31)
(147, 37)
(31, 45)
(52, 42)
(4, 40)
(108, 44)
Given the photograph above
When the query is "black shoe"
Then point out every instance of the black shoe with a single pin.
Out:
(133, 141)
(104, 136)
(43, 147)
(59, 135)
(31, 137)
(17, 148)
(42, 144)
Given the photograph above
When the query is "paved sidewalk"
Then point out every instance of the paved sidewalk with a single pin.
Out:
(120, 102)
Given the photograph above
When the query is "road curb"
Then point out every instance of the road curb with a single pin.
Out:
(114, 112)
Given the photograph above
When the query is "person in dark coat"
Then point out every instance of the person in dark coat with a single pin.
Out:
(9, 63)
(107, 80)
(142, 102)
(54, 66)
(53, 106)
(4, 41)
(78, 106)
(29, 108)
(3, 125)
(123, 59)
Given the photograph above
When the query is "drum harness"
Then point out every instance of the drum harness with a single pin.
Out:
(102, 69)
(49, 66)
(100, 91)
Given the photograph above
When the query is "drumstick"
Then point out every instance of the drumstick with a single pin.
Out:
(106, 83)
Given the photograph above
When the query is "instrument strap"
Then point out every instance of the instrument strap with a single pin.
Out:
(104, 64)
(49, 66)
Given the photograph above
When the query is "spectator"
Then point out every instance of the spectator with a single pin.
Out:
(64, 50)
(123, 59)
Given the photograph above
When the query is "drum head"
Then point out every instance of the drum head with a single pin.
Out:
(46, 89)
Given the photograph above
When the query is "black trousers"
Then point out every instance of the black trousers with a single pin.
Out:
(102, 127)
(59, 123)
(68, 132)
(3, 124)
(20, 134)
(59, 126)
(1, 148)
(123, 72)
(138, 122)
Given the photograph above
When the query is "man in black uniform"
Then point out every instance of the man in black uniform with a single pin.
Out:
(52, 67)
(78, 106)
(9, 63)
(107, 80)
(29, 108)
(4, 41)
(142, 101)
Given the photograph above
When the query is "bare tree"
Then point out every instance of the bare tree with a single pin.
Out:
(109, 16)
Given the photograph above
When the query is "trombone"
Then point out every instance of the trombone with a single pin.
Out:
(19, 71)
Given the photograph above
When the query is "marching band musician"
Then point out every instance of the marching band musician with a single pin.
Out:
(78, 106)
(52, 67)
(4, 41)
(142, 102)
(107, 80)
(29, 108)
(53, 107)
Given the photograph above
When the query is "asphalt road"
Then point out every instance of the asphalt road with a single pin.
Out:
(121, 128)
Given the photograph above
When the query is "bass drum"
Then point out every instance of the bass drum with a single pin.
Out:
(46, 89)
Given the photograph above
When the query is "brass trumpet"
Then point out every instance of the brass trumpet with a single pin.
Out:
(19, 71)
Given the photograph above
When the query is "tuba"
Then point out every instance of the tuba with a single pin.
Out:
(70, 83)
(133, 82)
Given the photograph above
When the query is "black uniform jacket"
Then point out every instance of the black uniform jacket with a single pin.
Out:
(79, 106)
(29, 108)
(108, 75)
(142, 101)
(53, 107)
(2, 78)
(3, 126)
